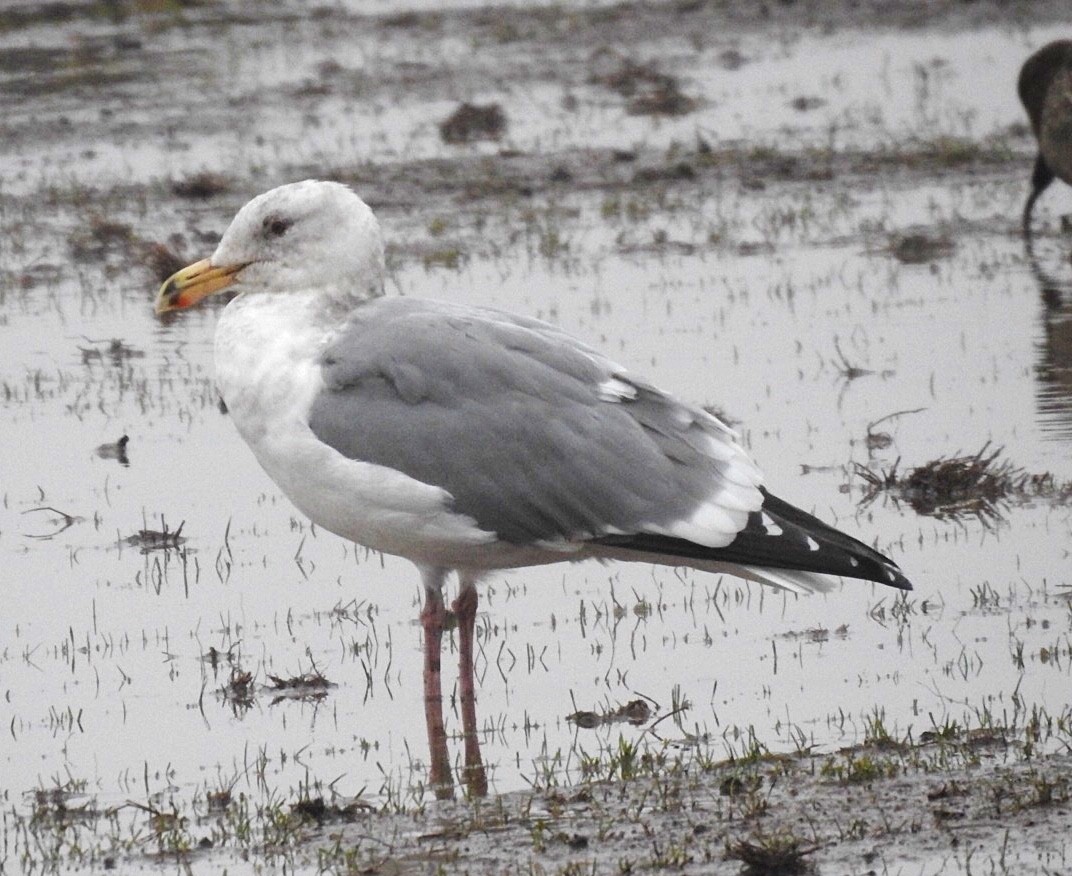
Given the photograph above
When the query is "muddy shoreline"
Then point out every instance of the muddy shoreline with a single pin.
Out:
(784, 815)
(964, 802)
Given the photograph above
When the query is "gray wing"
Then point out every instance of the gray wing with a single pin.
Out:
(535, 436)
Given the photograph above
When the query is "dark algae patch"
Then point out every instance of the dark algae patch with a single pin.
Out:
(648, 90)
(163, 539)
(634, 712)
(471, 122)
(199, 186)
(979, 485)
(919, 246)
(776, 855)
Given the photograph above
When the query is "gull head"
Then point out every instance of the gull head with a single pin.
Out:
(305, 237)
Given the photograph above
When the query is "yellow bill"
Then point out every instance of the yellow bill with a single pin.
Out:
(186, 287)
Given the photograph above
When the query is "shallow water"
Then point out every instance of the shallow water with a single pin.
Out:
(120, 643)
(152, 102)
(102, 646)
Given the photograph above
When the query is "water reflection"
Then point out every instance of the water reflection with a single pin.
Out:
(1053, 363)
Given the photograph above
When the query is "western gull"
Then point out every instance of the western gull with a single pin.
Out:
(1045, 88)
(467, 439)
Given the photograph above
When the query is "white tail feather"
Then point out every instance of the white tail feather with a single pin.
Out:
(787, 579)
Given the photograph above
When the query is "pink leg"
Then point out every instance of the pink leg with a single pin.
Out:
(465, 608)
(432, 617)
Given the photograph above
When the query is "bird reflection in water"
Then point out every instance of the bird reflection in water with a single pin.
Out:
(1053, 365)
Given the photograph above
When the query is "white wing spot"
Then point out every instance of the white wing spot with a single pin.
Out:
(711, 525)
(615, 390)
(813, 545)
(854, 562)
(560, 545)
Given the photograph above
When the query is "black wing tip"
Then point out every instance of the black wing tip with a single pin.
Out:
(895, 578)
(870, 565)
(874, 567)
(844, 555)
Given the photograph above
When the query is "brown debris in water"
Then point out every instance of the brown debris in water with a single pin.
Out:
(666, 99)
(205, 184)
(777, 855)
(806, 103)
(682, 170)
(239, 689)
(957, 486)
(631, 78)
(920, 247)
(315, 809)
(472, 121)
(635, 712)
(311, 685)
(306, 681)
(650, 91)
(114, 349)
(817, 635)
(731, 59)
(881, 440)
(58, 806)
(147, 540)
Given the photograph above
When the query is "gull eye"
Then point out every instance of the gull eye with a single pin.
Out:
(276, 226)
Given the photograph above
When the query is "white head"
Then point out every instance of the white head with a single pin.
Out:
(309, 235)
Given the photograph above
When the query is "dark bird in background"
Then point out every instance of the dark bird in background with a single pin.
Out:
(1045, 88)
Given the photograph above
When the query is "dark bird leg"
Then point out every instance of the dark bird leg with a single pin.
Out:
(1050, 287)
(1041, 177)
(433, 616)
(465, 609)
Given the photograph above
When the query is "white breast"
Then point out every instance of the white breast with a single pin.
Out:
(267, 354)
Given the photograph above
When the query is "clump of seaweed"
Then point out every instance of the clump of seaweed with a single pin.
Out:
(316, 809)
(774, 855)
(115, 349)
(953, 487)
(201, 185)
(163, 539)
(307, 686)
(472, 121)
(649, 90)
(635, 712)
(665, 99)
(920, 246)
(239, 690)
(63, 805)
